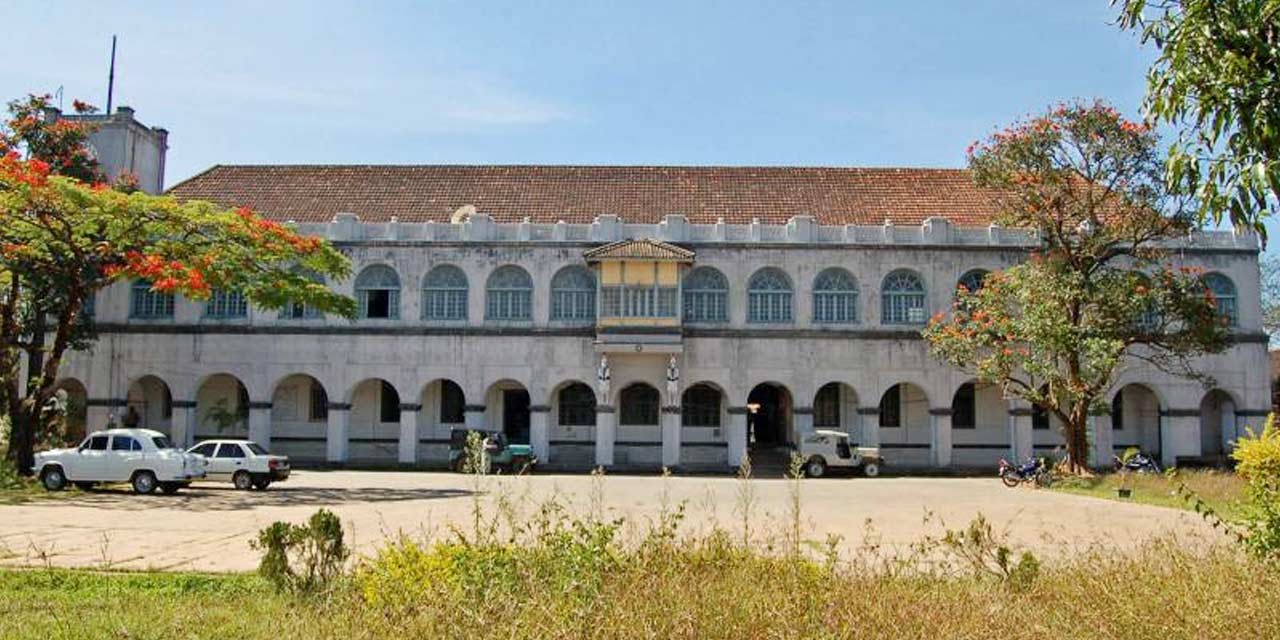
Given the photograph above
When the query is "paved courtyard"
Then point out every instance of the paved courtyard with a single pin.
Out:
(208, 527)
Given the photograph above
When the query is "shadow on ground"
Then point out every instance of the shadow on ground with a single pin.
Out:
(218, 498)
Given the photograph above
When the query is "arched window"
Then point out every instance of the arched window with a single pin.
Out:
(573, 294)
(700, 406)
(639, 405)
(1224, 296)
(972, 280)
(835, 297)
(577, 406)
(148, 304)
(224, 303)
(509, 294)
(706, 296)
(444, 294)
(294, 310)
(964, 412)
(769, 297)
(902, 299)
(826, 406)
(378, 293)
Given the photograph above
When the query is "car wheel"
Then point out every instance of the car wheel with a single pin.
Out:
(54, 479)
(262, 485)
(170, 488)
(86, 486)
(144, 482)
(871, 469)
(242, 481)
(460, 464)
(816, 467)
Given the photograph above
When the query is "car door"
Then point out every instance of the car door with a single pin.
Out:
(125, 457)
(230, 458)
(91, 463)
(205, 449)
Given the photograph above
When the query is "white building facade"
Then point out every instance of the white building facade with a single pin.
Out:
(631, 341)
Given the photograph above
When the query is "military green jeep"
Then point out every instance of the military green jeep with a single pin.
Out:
(498, 453)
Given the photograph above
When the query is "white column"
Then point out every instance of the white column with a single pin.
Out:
(407, 452)
(940, 428)
(473, 416)
(339, 430)
(606, 432)
(869, 420)
(736, 436)
(671, 437)
(1020, 433)
(260, 423)
(182, 429)
(540, 432)
(1103, 441)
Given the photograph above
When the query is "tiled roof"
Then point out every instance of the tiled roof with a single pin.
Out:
(577, 194)
(639, 249)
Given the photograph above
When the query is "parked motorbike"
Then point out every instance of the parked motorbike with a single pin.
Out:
(1137, 463)
(1033, 470)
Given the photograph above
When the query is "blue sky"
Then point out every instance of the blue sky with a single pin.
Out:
(854, 83)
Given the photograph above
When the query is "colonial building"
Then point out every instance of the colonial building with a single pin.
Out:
(631, 317)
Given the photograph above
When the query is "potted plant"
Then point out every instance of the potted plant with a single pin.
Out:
(1125, 490)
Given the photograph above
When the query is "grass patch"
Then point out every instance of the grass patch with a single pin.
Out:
(1222, 490)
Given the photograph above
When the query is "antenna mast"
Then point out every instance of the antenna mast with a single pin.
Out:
(111, 76)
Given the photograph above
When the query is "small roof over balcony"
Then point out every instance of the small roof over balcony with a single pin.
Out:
(643, 249)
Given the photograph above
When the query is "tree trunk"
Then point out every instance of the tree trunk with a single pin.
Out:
(1077, 440)
(22, 441)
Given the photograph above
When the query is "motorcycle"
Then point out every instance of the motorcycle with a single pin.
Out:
(1136, 463)
(1033, 470)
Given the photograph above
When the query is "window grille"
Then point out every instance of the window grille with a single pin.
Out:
(902, 298)
(835, 297)
(769, 297)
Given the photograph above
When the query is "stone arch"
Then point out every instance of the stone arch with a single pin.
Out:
(1136, 418)
(980, 433)
(442, 404)
(835, 406)
(373, 434)
(704, 404)
(1218, 429)
(639, 404)
(299, 417)
(507, 404)
(770, 420)
(150, 399)
(571, 424)
(221, 408)
(905, 424)
(71, 399)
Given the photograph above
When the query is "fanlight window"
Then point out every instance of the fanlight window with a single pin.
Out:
(148, 304)
(1224, 296)
(509, 294)
(444, 294)
(573, 295)
(639, 405)
(835, 297)
(378, 293)
(769, 297)
(902, 299)
(577, 406)
(972, 280)
(706, 296)
(224, 303)
(700, 406)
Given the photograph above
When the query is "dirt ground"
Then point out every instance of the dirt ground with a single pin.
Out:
(209, 526)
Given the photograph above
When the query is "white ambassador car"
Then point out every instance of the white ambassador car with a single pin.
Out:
(242, 462)
(141, 457)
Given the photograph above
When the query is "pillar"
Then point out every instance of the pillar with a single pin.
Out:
(1020, 436)
(736, 436)
(473, 417)
(940, 436)
(260, 423)
(869, 420)
(606, 433)
(339, 429)
(407, 447)
(182, 429)
(540, 431)
(671, 437)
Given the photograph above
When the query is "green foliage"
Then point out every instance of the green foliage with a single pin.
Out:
(1054, 330)
(303, 558)
(1257, 459)
(1217, 79)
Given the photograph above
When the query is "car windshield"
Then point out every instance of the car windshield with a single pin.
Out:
(161, 442)
(256, 449)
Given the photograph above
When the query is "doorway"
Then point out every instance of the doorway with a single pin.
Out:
(515, 415)
(768, 416)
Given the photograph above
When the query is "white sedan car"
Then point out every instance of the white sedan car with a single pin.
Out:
(141, 457)
(246, 464)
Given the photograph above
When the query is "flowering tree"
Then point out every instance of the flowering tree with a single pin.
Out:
(62, 240)
(1100, 291)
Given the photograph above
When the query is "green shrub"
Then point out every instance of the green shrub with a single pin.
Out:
(303, 558)
(1257, 459)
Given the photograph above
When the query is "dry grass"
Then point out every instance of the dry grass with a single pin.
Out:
(1221, 490)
